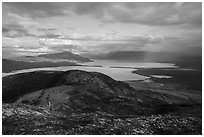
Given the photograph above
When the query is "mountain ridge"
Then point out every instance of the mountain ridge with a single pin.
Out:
(180, 59)
(12, 65)
(65, 55)
(42, 61)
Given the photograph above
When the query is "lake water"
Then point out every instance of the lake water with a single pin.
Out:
(160, 76)
(119, 70)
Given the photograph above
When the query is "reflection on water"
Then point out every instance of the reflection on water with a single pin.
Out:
(160, 76)
(115, 63)
(116, 73)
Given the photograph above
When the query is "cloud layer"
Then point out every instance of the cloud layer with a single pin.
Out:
(142, 13)
(31, 28)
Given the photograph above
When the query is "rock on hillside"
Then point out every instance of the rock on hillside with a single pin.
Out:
(31, 120)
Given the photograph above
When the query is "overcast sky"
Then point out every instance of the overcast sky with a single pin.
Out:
(34, 28)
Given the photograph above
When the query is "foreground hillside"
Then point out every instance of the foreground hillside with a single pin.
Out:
(28, 120)
(80, 102)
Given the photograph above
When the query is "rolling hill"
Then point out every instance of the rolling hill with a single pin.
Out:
(80, 102)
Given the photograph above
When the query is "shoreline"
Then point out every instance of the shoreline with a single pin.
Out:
(188, 78)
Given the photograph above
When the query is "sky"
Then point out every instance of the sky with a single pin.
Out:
(34, 28)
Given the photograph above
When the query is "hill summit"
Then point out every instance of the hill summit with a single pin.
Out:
(75, 89)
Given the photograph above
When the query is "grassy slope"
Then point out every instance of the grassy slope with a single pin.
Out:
(175, 95)
(182, 115)
(29, 120)
(26, 83)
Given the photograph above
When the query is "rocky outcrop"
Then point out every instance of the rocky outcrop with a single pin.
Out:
(29, 120)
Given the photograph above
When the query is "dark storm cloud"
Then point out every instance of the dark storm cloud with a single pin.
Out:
(153, 14)
(52, 29)
(9, 52)
(15, 30)
(76, 26)
(5, 30)
(47, 29)
(48, 33)
(70, 28)
(111, 47)
(36, 9)
(14, 27)
(93, 8)
(51, 36)
(66, 47)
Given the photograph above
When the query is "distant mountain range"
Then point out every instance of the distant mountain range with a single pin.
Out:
(182, 60)
(54, 57)
(68, 56)
(12, 65)
(42, 61)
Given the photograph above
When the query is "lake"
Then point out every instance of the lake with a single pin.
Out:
(118, 70)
